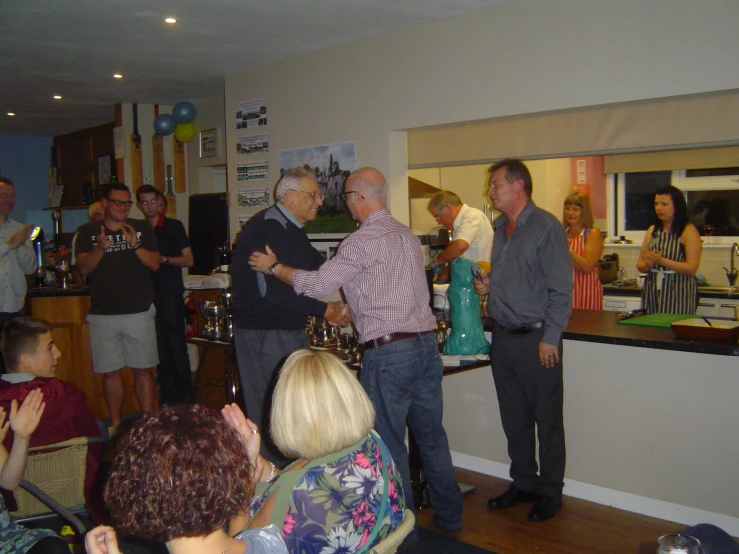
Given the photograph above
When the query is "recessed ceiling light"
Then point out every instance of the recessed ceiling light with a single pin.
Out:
(57, 97)
(170, 20)
(11, 114)
(117, 76)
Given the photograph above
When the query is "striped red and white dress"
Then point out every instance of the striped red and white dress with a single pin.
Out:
(588, 291)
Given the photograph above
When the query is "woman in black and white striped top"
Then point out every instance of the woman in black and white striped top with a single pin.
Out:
(670, 256)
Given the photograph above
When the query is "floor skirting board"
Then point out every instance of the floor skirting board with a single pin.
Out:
(610, 497)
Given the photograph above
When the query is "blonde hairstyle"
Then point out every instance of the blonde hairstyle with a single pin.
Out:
(318, 407)
(586, 214)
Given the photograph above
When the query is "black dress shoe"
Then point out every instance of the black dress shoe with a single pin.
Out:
(512, 497)
(545, 508)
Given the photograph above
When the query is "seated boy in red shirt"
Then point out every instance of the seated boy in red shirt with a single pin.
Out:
(30, 363)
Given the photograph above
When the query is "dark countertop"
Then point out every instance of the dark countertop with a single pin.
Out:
(636, 291)
(52, 290)
(603, 327)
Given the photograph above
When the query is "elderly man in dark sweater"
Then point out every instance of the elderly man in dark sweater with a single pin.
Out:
(269, 316)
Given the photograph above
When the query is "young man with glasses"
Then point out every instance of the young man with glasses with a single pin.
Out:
(173, 371)
(17, 258)
(269, 316)
(118, 255)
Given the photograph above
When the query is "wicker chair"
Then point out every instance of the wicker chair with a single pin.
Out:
(54, 482)
(390, 544)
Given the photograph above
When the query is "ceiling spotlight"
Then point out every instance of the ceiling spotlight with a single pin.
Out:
(57, 97)
(11, 114)
(170, 20)
(117, 76)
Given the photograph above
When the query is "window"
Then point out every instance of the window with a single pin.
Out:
(712, 196)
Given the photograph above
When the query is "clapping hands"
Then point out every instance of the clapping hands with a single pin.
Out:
(104, 241)
(247, 430)
(24, 420)
(20, 236)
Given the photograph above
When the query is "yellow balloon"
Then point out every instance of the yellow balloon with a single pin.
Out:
(184, 132)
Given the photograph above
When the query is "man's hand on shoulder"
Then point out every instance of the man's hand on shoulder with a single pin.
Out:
(337, 314)
(259, 261)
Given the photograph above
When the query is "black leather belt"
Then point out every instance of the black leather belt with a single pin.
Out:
(524, 330)
(393, 337)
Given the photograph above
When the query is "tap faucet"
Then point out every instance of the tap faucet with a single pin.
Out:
(732, 273)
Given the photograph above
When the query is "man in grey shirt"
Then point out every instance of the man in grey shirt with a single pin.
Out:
(530, 294)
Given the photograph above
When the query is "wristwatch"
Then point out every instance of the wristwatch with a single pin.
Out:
(271, 270)
(165, 260)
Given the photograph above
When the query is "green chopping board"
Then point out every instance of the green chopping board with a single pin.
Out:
(656, 320)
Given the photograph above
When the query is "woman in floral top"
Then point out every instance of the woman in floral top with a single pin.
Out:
(343, 493)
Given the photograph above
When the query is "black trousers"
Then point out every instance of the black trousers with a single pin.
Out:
(530, 400)
(173, 371)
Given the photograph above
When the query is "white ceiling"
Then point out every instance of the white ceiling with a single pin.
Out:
(73, 47)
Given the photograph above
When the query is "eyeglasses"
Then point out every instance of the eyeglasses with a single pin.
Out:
(438, 215)
(6, 196)
(313, 195)
(346, 193)
(120, 203)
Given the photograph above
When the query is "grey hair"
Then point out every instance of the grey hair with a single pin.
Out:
(290, 181)
(441, 199)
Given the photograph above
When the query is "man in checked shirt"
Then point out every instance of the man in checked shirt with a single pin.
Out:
(381, 269)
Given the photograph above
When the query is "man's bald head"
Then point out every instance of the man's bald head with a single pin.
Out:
(370, 181)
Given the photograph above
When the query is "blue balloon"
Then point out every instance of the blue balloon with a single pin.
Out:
(164, 124)
(183, 112)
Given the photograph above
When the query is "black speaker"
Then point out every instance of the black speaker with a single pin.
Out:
(209, 229)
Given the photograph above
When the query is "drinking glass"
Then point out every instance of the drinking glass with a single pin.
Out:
(708, 233)
(678, 544)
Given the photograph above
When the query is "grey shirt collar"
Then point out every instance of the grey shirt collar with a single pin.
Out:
(17, 377)
(288, 214)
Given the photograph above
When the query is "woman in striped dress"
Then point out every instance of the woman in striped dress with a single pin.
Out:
(670, 256)
(586, 246)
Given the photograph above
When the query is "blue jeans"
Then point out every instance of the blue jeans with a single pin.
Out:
(403, 380)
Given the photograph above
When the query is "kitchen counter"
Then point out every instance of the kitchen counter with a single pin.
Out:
(54, 291)
(703, 292)
(603, 327)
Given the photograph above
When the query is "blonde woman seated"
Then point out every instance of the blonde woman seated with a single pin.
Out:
(343, 494)
(178, 477)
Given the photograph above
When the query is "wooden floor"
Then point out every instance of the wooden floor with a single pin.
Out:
(580, 527)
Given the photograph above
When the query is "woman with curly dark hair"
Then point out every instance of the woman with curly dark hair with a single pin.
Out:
(179, 477)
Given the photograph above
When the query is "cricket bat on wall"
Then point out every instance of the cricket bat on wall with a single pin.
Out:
(171, 200)
(179, 166)
(137, 174)
(157, 145)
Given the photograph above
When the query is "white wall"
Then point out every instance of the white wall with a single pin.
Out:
(522, 57)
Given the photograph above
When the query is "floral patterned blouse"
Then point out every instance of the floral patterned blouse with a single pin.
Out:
(331, 504)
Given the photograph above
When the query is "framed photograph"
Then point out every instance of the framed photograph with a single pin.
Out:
(209, 143)
(105, 165)
(56, 196)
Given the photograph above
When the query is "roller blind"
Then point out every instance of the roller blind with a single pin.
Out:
(692, 158)
(663, 124)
